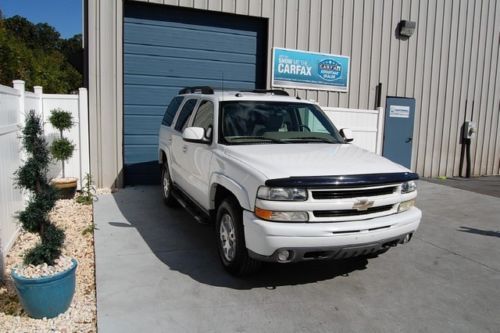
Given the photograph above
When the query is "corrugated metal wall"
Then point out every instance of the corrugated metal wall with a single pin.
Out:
(450, 65)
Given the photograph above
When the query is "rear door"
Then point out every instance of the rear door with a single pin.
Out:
(178, 155)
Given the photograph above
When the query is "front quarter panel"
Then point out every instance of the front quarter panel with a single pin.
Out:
(237, 177)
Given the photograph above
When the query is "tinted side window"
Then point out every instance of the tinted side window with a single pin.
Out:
(184, 114)
(205, 115)
(171, 110)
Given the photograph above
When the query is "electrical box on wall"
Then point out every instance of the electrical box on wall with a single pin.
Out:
(469, 129)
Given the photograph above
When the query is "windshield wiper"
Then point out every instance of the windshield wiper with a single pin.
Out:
(251, 138)
(311, 139)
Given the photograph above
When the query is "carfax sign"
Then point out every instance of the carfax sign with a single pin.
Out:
(310, 70)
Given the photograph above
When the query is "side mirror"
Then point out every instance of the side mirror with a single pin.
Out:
(194, 134)
(347, 134)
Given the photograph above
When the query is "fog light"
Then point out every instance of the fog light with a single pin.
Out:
(283, 255)
(405, 205)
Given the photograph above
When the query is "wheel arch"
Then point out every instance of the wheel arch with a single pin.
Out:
(222, 187)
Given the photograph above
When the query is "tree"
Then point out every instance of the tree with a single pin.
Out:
(73, 51)
(32, 177)
(62, 148)
(37, 55)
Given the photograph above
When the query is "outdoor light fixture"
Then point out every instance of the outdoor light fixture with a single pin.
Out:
(406, 28)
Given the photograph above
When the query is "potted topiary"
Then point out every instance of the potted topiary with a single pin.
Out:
(62, 149)
(45, 282)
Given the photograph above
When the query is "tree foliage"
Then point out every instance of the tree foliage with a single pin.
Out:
(32, 176)
(36, 54)
(61, 148)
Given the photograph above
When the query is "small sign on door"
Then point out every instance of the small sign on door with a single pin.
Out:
(399, 111)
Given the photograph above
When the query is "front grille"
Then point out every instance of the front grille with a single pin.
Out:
(350, 212)
(335, 194)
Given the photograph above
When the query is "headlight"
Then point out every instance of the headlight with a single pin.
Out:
(282, 193)
(408, 187)
(281, 216)
(405, 205)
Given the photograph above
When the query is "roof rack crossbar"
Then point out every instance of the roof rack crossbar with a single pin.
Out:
(268, 91)
(197, 89)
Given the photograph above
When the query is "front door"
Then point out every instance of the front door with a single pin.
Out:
(398, 129)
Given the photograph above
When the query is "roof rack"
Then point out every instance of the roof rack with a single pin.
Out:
(197, 89)
(268, 91)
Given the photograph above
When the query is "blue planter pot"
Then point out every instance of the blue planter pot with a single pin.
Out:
(46, 296)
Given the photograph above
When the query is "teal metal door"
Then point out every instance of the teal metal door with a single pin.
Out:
(167, 48)
(398, 129)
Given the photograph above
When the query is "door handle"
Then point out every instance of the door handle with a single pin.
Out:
(184, 149)
(409, 140)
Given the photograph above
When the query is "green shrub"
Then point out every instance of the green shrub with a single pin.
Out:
(61, 149)
(60, 119)
(88, 192)
(32, 177)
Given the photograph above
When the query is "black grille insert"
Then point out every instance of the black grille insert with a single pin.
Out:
(335, 194)
(350, 212)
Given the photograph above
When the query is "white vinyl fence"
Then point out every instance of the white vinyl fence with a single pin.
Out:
(367, 126)
(14, 103)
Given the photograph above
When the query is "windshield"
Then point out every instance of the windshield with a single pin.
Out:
(254, 122)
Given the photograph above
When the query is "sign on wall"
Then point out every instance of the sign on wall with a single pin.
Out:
(310, 70)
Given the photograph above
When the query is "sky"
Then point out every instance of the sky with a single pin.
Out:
(64, 15)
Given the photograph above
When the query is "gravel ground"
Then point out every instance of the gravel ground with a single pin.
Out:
(77, 222)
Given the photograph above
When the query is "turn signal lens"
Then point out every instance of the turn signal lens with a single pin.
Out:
(281, 216)
(405, 205)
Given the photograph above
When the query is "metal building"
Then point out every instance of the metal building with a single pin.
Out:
(140, 52)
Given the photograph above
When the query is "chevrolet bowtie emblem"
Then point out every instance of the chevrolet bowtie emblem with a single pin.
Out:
(362, 204)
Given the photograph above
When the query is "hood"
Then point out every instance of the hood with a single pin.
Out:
(311, 159)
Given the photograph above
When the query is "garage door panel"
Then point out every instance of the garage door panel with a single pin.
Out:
(167, 48)
(142, 124)
(180, 82)
(140, 153)
(148, 95)
(185, 67)
(174, 52)
(176, 18)
(141, 139)
(150, 110)
(189, 39)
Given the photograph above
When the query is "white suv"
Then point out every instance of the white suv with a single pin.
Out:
(281, 183)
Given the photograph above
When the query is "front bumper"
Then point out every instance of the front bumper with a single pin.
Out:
(326, 240)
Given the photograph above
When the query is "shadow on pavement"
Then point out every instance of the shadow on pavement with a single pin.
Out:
(185, 246)
(480, 231)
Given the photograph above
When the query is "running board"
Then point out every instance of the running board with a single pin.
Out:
(190, 207)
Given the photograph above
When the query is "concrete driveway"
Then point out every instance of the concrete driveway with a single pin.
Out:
(158, 271)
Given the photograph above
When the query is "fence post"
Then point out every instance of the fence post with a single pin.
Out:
(19, 85)
(38, 90)
(83, 114)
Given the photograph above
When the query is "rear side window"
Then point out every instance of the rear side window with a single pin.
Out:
(184, 114)
(171, 111)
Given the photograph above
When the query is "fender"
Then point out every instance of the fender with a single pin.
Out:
(239, 192)
(166, 151)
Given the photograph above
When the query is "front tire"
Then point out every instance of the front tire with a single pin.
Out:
(230, 239)
(167, 187)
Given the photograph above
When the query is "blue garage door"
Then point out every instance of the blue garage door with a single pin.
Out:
(167, 48)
